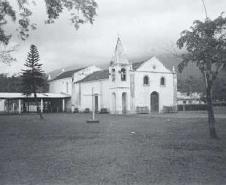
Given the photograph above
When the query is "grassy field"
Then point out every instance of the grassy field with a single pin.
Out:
(172, 149)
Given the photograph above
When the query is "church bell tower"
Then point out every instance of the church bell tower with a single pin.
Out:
(119, 76)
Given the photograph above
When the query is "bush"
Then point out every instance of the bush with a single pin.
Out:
(191, 107)
(86, 110)
(222, 104)
(104, 111)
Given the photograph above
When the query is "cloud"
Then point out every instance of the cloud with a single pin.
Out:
(146, 27)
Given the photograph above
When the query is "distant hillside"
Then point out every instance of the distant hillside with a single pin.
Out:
(167, 59)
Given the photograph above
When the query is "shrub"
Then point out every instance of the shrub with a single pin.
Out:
(191, 107)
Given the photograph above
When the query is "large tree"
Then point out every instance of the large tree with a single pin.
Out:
(190, 85)
(33, 76)
(19, 12)
(205, 45)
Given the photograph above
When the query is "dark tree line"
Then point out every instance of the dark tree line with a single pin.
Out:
(10, 84)
(193, 84)
(14, 84)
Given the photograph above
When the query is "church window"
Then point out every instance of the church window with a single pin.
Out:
(162, 81)
(113, 74)
(146, 80)
(123, 74)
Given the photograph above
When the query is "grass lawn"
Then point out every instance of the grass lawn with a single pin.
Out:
(120, 150)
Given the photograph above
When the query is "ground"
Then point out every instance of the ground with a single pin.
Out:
(120, 150)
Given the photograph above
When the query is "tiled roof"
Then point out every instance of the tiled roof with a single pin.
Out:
(98, 75)
(104, 74)
(136, 65)
(6, 95)
(67, 74)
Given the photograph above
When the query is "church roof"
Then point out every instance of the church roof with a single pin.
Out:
(119, 54)
(10, 95)
(98, 75)
(136, 65)
(66, 74)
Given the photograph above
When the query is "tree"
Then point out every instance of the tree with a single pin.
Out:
(10, 83)
(205, 45)
(190, 85)
(33, 76)
(5, 54)
(14, 84)
(219, 89)
(81, 11)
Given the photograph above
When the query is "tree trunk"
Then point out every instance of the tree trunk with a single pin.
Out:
(211, 118)
(38, 109)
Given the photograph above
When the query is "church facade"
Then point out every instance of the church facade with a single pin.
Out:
(124, 87)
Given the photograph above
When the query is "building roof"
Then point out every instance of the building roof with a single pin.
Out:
(104, 74)
(66, 74)
(98, 75)
(136, 65)
(185, 96)
(7, 95)
(119, 54)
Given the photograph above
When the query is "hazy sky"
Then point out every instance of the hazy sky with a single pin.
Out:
(146, 27)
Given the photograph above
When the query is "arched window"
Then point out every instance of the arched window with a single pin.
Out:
(113, 74)
(162, 81)
(123, 74)
(146, 80)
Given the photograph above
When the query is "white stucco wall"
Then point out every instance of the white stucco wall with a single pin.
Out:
(100, 87)
(118, 87)
(143, 92)
(137, 94)
(75, 87)
(61, 86)
(155, 70)
(69, 86)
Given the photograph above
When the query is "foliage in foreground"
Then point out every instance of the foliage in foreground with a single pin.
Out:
(205, 44)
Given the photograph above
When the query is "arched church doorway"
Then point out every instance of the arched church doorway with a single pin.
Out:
(154, 102)
(124, 103)
(113, 102)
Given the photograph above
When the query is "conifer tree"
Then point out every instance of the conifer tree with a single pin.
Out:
(33, 76)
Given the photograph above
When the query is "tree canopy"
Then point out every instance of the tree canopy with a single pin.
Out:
(205, 45)
(33, 76)
(81, 11)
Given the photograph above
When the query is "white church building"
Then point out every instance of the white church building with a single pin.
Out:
(124, 87)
